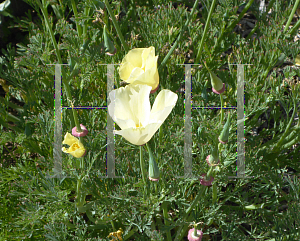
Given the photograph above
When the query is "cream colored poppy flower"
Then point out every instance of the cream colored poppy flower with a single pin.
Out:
(130, 109)
(139, 66)
(76, 148)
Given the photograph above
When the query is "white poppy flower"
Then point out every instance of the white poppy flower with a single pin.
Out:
(130, 109)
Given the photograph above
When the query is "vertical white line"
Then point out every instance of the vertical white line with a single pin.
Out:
(240, 122)
(188, 124)
(110, 125)
(57, 152)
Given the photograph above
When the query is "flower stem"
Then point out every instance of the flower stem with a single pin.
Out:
(142, 164)
(182, 229)
(279, 143)
(165, 213)
(214, 193)
(79, 29)
(212, 7)
(160, 134)
(195, 231)
(222, 110)
(66, 85)
(291, 16)
(112, 16)
(80, 200)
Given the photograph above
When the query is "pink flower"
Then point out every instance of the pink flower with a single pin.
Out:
(204, 182)
(79, 134)
(191, 236)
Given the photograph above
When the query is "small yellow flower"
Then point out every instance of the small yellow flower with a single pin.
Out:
(76, 148)
(139, 66)
(116, 236)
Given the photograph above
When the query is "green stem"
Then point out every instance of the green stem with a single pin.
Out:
(182, 229)
(209, 173)
(112, 16)
(142, 164)
(291, 143)
(165, 213)
(79, 29)
(80, 200)
(66, 85)
(214, 193)
(195, 231)
(160, 134)
(291, 16)
(212, 7)
(278, 145)
(294, 28)
(222, 110)
(163, 63)
(86, 13)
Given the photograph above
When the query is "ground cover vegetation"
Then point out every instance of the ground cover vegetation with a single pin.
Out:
(151, 204)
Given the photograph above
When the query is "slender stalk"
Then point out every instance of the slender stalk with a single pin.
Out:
(195, 231)
(212, 7)
(66, 85)
(142, 164)
(160, 134)
(80, 200)
(295, 28)
(163, 63)
(222, 110)
(79, 29)
(279, 143)
(291, 16)
(165, 213)
(182, 229)
(214, 193)
(112, 16)
(86, 13)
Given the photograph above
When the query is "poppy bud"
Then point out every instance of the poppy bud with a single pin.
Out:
(223, 138)
(80, 134)
(218, 86)
(153, 168)
(193, 237)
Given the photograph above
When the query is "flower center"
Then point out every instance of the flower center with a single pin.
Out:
(74, 147)
(138, 125)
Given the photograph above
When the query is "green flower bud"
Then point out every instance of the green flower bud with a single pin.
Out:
(153, 168)
(218, 86)
(223, 138)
